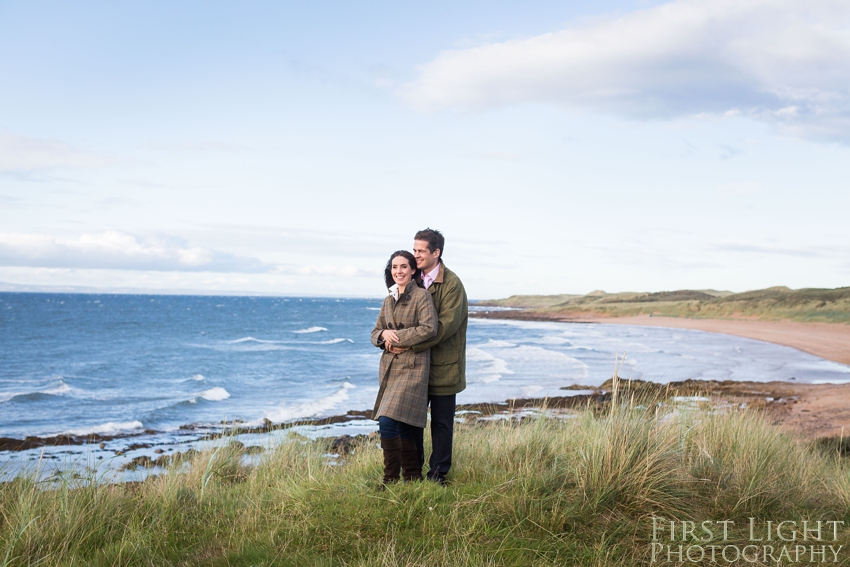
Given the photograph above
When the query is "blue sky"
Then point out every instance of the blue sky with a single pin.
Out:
(290, 147)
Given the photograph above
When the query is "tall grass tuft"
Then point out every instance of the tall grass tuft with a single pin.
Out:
(544, 491)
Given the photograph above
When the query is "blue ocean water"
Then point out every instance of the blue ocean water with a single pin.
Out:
(80, 363)
(117, 363)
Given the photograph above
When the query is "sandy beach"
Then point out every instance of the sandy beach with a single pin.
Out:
(812, 410)
(817, 410)
(830, 341)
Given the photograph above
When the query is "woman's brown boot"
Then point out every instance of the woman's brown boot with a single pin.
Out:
(392, 459)
(411, 469)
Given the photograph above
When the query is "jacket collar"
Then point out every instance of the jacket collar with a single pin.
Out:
(395, 292)
(439, 278)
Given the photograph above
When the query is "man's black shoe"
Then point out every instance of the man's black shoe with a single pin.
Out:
(438, 478)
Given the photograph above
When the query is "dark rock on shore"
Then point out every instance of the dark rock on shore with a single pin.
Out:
(345, 444)
(147, 462)
(10, 444)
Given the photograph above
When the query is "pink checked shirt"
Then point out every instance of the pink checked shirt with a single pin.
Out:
(429, 278)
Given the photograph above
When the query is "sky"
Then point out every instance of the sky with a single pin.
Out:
(291, 147)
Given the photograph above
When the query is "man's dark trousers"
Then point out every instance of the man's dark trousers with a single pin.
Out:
(442, 428)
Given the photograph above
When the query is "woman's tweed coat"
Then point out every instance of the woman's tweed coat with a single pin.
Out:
(403, 394)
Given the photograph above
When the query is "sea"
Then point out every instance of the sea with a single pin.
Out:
(165, 371)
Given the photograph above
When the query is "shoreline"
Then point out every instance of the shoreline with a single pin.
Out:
(206, 432)
(818, 409)
(813, 413)
(826, 340)
(811, 410)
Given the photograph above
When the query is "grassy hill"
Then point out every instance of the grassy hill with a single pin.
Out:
(775, 303)
(586, 491)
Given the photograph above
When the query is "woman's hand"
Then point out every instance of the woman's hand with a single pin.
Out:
(389, 336)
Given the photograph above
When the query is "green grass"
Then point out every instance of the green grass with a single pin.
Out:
(776, 303)
(580, 491)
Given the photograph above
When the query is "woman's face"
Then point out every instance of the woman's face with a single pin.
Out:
(401, 270)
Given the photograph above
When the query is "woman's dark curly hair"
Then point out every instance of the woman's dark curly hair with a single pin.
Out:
(388, 271)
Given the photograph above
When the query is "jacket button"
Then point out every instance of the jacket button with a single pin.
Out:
(390, 326)
(401, 325)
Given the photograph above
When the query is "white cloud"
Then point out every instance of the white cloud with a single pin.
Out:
(782, 61)
(115, 250)
(334, 270)
(204, 147)
(739, 189)
(118, 250)
(775, 249)
(67, 280)
(20, 153)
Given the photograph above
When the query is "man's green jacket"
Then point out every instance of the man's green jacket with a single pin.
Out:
(448, 348)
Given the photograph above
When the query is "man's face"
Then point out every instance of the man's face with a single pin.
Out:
(425, 259)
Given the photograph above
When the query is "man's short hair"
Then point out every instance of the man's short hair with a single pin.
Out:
(434, 238)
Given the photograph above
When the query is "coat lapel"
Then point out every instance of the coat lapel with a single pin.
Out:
(439, 279)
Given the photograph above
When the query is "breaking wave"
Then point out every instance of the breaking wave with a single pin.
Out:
(490, 368)
(109, 428)
(61, 389)
(249, 340)
(214, 394)
(310, 409)
(310, 330)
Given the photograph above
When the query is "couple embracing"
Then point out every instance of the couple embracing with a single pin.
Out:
(422, 331)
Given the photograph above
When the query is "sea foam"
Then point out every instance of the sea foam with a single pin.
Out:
(109, 428)
(312, 408)
(334, 341)
(491, 369)
(60, 390)
(310, 330)
(215, 394)
(499, 344)
(250, 340)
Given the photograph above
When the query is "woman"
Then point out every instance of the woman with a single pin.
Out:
(407, 318)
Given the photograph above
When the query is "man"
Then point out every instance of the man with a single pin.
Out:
(448, 349)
